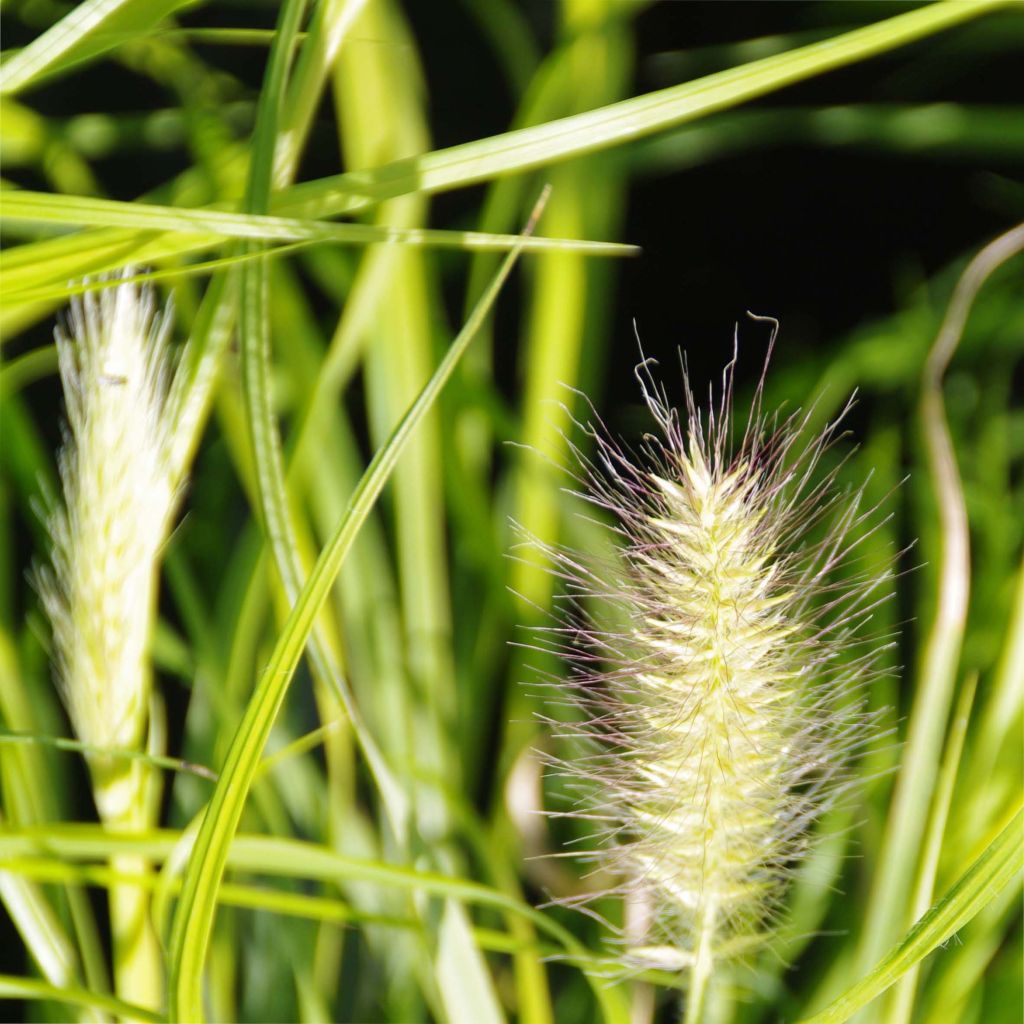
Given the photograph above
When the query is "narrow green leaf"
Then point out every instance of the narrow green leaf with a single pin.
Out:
(332, 20)
(276, 856)
(261, 37)
(189, 945)
(12, 987)
(193, 920)
(536, 146)
(983, 880)
(27, 369)
(60, 743)
(462, 977)
(902, 1001)
(89, 29)
(254, 326)
(314, 908)
(890, 909)
(39, 927)
(619, 122)
(252, 897)
(79, 211)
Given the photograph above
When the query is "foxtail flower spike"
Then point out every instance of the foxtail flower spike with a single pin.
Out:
(718, 667)
(100, 588)
(118, 498)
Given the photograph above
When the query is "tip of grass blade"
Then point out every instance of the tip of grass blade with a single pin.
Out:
(538, 209)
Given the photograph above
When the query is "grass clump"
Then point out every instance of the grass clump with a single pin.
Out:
(307, 770)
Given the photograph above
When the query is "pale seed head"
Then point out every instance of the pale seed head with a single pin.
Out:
(719, 666)
(99, 589)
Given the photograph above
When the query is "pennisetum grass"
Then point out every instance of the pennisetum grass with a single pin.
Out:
(99, 590)
(718, 671)
(393, 882)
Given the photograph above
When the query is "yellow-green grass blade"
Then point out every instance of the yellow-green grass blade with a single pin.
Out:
(28, 771)
(999, 725)
(552, 141)
(332, 20)
(983, 881)
(261, 37)
(45, 852)
(323, 490)
(175, 764)
(84, 211)
(319, 908)
(567, 326)
(619, 122)
(193, 920)
(462, 978)
(471, 456)
(282, 532)
(254, 327)
(196, 376)
(25, 855)
(564, 293)
(365, 599)
(890, 908)
(379, 106)
(249, 897)
(55, 260)
(961, 975)
(13, 987)
(275, 856)
(39, 927)
(26, 369)
(902, 1001)
(29, 780)
(61, 292)
(86, 31)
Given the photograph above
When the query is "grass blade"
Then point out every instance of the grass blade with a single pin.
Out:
(903, 997)
(86, 31)
(12, 987)
(79, 211)
(890, 909)
(173, 764)
(274, 856)
(985, 879)
(619, 122)
(37, 923)
(537, 146)
(465, 985)
(193, 920)
(254, 327)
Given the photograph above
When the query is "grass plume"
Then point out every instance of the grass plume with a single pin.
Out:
(100, 589)
(718, 673)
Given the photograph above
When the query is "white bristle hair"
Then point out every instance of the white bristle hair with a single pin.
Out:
(718, 670)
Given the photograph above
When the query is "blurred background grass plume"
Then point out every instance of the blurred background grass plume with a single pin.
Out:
(331, 191)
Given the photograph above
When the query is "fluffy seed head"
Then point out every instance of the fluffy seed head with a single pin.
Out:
(118, 499)
(718, 668)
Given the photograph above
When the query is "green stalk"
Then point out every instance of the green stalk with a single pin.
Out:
(700, 971)
(138, 959)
